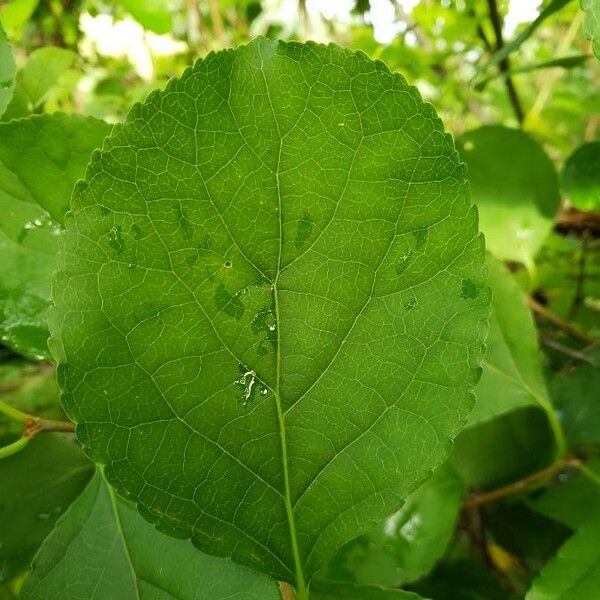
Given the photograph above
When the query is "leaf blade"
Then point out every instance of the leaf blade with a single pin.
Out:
(219, 199)
(102, 548)
(40, 159)
(574, 574)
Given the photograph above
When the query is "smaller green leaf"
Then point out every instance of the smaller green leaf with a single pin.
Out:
(408, 544)
(15, 15)
(504, 449)
(574, 574)
(512, 374)
(40, 160)
(151, 14)
(333, 590)
(566, 62)
(41, 71)
(581, 177)
(591, 23)
(38, 484)
(576, 396)
(515, 187)
(7, 72)
(525, 34)
(102, 548)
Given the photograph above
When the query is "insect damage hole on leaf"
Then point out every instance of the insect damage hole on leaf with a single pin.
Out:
(344, 322)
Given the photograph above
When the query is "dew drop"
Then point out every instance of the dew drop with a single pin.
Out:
(402, 263)
(43, 516)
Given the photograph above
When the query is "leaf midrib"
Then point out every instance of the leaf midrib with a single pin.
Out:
(300, 584)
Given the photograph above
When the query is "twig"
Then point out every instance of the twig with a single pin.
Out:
(575, 354)
(578, 222)
(579, 296)
(549, 316)
(504, 64)
(521, 485)
(34, 426)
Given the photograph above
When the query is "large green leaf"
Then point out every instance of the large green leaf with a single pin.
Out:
(512, 374)
(7, 72)
(102, 549)
(581, 177)
(41, 71)
(515, 187)
(40, 160)
(574, 574)
(591, 23)
(270, 302)
(406, 545)
(37, 485)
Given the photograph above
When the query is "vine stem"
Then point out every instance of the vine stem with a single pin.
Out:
(549, 316)
(14, 413)
(527, 482)
(15, 447)
(32, 425)
(504, 64)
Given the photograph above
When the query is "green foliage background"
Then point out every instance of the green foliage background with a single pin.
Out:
(514, 511)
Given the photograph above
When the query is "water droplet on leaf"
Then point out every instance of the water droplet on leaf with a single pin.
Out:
(115, 239)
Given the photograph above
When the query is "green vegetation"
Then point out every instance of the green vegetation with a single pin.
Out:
(299, 301)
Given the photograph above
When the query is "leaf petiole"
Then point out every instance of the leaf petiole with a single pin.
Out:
(14, 413)
(15, 447)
